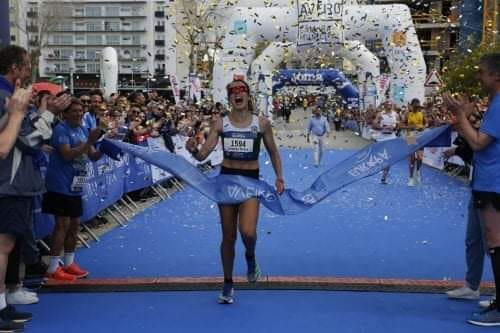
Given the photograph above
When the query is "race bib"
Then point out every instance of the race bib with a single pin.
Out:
(238, 145)
(78, 182)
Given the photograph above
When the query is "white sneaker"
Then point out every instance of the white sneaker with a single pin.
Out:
(486, 303)
(463, 293)
(21, 296)
(418, 178)
(411, 182)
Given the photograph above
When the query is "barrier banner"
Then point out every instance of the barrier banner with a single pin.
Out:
(104, 186)
(232, 189)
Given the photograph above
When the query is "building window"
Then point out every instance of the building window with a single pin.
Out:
(93, 11)
(94, 39)
(65, 26)
(112, 39)
(126, 40)
(80, 54)
(78, 12)
(79, 39)
(80, 68)
(136, 40)
(66, 53)
(93, 68)
(125, 11)
(112, 11)
(126, 26)
(93, 54)
(94, 26)
(112, 26)
(63, 39)
(136, 11)
(12, 38)
(80, 26)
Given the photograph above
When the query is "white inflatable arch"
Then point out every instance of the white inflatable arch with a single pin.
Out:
(327, 22)
(265, 64)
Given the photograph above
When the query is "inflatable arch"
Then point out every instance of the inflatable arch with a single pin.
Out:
(263, 67)
(109, 71)
(329, 23)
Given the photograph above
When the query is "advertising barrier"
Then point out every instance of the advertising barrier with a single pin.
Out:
(109, 180)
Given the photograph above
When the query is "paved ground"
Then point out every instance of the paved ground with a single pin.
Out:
(292, 135)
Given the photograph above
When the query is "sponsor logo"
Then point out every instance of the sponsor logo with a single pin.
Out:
(368, 162)
(238, 192)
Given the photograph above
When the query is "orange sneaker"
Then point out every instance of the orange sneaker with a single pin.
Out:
(76, 271)
(60, 275)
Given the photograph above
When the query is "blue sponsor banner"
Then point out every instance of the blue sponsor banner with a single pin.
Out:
(231, 189)
(318, 77)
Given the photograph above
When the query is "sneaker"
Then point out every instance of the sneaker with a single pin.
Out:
(383, 181)
(411, 182)
(226, 296)
(21, 296)
(11, 314)
(36, 270)
(76, 271)
(60, 275)
(463, 293)
(418, 178)
(7, 326)
(488, 318)
(253, 275)
(486, 303)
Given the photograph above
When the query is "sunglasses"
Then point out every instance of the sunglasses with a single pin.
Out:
(237, 90)
(85, 101)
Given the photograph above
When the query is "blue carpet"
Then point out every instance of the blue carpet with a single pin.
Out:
(254, 311)
(364, 230)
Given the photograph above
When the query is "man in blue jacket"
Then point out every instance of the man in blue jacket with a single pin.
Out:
(20, 178)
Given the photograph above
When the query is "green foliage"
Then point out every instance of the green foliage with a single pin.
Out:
(459, 72)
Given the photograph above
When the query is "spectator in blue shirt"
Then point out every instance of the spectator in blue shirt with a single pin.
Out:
(66, 175)
(485, 143)
(90, 118)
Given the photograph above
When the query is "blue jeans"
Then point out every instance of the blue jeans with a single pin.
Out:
(475, 247)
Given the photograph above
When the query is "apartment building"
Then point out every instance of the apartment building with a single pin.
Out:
(77, 31)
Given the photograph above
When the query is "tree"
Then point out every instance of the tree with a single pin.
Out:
(38, 25)
(200, 29)
(459, 72)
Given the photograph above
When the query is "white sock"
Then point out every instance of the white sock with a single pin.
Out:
(53, 264)
(3, 302)
(69, 258)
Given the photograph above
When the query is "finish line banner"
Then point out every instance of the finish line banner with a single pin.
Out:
(230, 189)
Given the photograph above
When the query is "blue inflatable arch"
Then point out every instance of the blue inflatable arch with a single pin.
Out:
(318, 77)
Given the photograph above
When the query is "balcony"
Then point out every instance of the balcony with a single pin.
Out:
(159, 42)
(159, 14)
(159, 28)
(32, 14)
(160, 71)
(159, 57)
(32, 28)
(433, 21)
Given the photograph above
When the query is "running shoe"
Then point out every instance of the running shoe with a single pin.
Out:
(418, 177)
(10, 313)
(21, 296)
(383, 181)
(226, 296)
(411, 182)
(463, 293)
(76, 271)
(8, 326)
(254, 274)
(486, 303)
(488, 318)
(60, 275)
